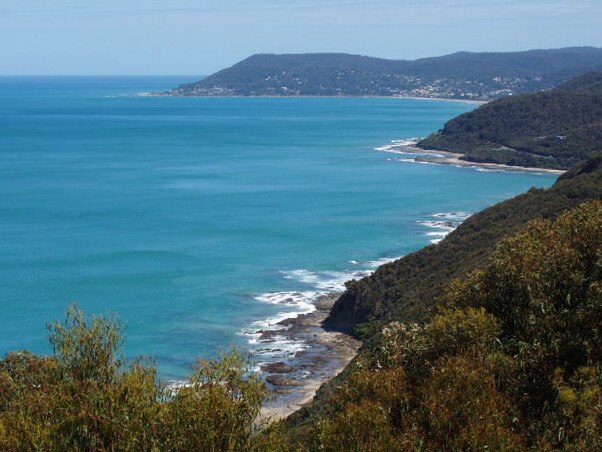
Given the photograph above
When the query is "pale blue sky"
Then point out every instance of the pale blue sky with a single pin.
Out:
(200, 36)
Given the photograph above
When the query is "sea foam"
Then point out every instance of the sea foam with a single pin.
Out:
(269, 339)
(329, 281)
(444, 223)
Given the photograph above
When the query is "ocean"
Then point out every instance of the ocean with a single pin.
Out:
(200, 221)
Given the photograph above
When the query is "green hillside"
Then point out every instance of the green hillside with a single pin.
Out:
(406, 289)
(553, 129)
(463, 75)
(509, 360)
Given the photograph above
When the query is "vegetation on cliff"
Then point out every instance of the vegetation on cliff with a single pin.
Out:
(553, 129)
(510, 359)
(406, 289)
(463, 75)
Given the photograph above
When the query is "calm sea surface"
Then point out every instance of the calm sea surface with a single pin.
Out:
(201, 220)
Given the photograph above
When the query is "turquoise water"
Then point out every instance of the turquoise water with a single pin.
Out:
(196, 219)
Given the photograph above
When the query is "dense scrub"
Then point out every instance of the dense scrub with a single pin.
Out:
(510, 360)
(405, 289)
(554, 129)
(83, 397)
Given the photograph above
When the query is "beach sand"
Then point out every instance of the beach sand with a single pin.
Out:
(295, 382)
(453, 158)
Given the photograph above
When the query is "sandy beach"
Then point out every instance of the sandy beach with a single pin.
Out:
(447, 99)
(307, 96)
(419, 155)
(295, 382)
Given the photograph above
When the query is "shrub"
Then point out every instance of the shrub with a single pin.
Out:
(85, 398)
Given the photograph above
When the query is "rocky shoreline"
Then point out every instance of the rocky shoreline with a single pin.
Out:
(294, 382)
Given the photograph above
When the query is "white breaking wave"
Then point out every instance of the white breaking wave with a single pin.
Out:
(273, 345)
(292, 299)
(412, 158)
(375, 263)
(453, 216)
(396, 144)
(411, 154)
(330, 281)
(437, 234)
(406, 141)
(445, 223)
(268, 338)
(302, 302)
(407, 148)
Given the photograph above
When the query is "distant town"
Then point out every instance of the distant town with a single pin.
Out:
(389, 85)
(462, 75)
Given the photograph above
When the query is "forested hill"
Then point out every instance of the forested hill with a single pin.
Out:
(462, 75)
(493, 259)
(509, 359)
(552, 129)
(407, 288)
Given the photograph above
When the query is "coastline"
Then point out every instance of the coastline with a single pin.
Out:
(294, 383)
(306, 96)
(450, 99)
(293, 379)
(418, 155)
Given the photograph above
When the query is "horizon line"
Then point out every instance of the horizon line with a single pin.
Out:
(102, 75)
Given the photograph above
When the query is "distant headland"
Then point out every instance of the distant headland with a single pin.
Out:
(461, 75)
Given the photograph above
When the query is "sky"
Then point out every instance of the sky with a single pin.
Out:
(199, 37)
